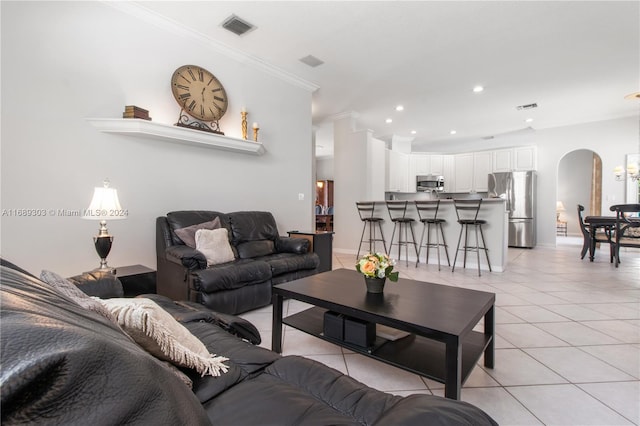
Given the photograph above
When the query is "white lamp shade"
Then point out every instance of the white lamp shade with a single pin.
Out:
(104, 205)
(560, 207)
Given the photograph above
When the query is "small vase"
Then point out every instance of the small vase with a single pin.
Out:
(375, 285)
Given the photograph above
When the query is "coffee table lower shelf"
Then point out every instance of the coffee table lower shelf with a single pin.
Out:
(417, 354)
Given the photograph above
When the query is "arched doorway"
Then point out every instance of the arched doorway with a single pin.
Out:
(579, 182)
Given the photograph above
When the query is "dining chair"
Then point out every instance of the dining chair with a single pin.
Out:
(589, 241)
(627, 227)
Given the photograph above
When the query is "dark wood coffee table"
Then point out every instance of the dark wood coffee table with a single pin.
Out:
(442, 345)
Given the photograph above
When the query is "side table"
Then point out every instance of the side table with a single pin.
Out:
(321, 244)
(561, 228)
(136, 279)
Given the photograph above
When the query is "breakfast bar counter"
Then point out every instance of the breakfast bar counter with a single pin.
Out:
(492, 210)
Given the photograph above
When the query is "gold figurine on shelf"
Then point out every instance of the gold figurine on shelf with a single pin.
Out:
(255, 131)
(243, 113)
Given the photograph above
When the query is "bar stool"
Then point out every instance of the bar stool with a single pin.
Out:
(366, 211)
(397, 213)
(428, 214)
(467, 212)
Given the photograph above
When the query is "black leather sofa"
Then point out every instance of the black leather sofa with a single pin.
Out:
(262, 258)
(64, 364)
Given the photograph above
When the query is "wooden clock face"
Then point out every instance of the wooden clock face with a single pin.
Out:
(199, 93)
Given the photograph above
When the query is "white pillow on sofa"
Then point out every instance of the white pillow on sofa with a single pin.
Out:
(214, 244)
(162, 336)
(188, 234)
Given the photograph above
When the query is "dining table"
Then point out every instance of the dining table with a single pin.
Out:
(608, 225)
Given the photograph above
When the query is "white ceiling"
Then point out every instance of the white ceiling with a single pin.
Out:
(576, 60)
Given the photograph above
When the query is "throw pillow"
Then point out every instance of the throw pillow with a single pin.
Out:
(214, 244)
(188, 234)
(68, 289)
(161, 335)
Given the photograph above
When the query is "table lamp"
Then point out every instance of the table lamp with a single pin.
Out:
(104, 205)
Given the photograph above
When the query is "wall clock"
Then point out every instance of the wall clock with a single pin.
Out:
(201, 96)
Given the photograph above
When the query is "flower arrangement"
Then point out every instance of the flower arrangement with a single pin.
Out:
(377, 265)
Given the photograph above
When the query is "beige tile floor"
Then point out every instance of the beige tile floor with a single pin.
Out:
(567, 339)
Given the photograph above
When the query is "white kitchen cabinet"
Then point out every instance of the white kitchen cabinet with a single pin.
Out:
(463, 172)
(471, 171)
(448, 171)
(503, 160)
(525, 158)
(426, 164)
(436, 164)
(515, 159)
(466, 171)
(418, 165)
(482, 166)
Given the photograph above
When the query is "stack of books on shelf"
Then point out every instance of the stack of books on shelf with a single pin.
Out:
(132, 111)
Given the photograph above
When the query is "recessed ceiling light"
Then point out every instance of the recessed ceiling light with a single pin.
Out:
(453, 132)
(528, 120)
(388, 120)
(413, 132)
(399, 108)
(478, 89)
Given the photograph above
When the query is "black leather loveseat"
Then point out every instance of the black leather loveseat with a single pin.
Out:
(67, 365)
(261, 258)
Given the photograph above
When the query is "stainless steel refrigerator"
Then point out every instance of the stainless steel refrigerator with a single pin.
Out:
(519, 191)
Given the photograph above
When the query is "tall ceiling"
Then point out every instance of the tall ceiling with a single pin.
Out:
(576, 60)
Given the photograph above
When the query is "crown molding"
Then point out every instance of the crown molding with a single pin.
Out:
(140, 12)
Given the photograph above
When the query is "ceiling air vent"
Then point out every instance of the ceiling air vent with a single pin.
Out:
(237, 25)
(311, 60)
(528, 106)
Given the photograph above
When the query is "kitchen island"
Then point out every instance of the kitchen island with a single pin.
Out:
(493, 210)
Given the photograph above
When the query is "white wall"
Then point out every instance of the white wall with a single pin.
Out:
(610, 139)
(65, 61)
(574, 187)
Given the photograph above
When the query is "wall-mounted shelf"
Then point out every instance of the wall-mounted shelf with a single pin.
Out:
(169, 133)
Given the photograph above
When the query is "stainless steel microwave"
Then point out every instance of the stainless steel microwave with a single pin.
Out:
(430, 183)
